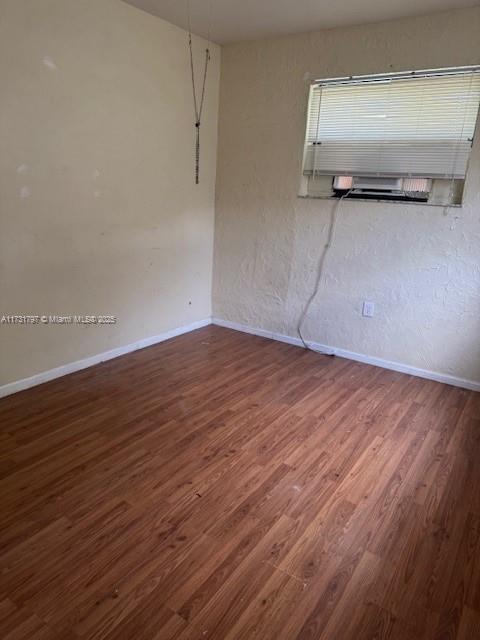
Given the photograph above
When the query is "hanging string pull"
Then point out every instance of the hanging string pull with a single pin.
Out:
(197, 153)
(198, 108)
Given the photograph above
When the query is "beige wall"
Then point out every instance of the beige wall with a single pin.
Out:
(98, 210)
(419, 264)
(99, 213)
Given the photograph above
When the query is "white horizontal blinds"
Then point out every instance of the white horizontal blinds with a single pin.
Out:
(407, 126)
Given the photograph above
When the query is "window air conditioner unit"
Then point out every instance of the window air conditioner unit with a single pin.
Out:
(405, 188)
(363, 184)
(377, 184)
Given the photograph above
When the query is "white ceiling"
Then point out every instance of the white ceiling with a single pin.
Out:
(237, 20)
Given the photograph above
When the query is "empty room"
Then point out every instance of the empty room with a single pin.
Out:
(239, 320)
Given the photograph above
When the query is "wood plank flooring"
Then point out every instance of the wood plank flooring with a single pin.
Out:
(225, 486)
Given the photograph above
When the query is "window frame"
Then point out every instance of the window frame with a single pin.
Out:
(444, 71)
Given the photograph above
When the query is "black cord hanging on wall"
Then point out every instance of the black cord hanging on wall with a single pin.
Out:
(197, 105)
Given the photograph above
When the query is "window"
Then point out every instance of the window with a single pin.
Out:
(403, 136)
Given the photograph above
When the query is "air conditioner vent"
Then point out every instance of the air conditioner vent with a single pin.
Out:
(377, 184)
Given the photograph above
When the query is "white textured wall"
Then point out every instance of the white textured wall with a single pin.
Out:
(419, 265)
(98, 210)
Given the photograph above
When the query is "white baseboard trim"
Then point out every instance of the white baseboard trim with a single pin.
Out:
(351, 355)
(45, 376)
(71, 367)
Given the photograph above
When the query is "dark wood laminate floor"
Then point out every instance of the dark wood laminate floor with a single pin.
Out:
(224, 486)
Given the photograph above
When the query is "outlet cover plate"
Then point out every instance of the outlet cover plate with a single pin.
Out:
(368, 309)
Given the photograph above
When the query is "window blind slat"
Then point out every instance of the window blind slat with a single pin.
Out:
(415, 126)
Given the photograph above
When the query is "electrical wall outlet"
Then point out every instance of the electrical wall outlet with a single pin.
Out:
(368, 309)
